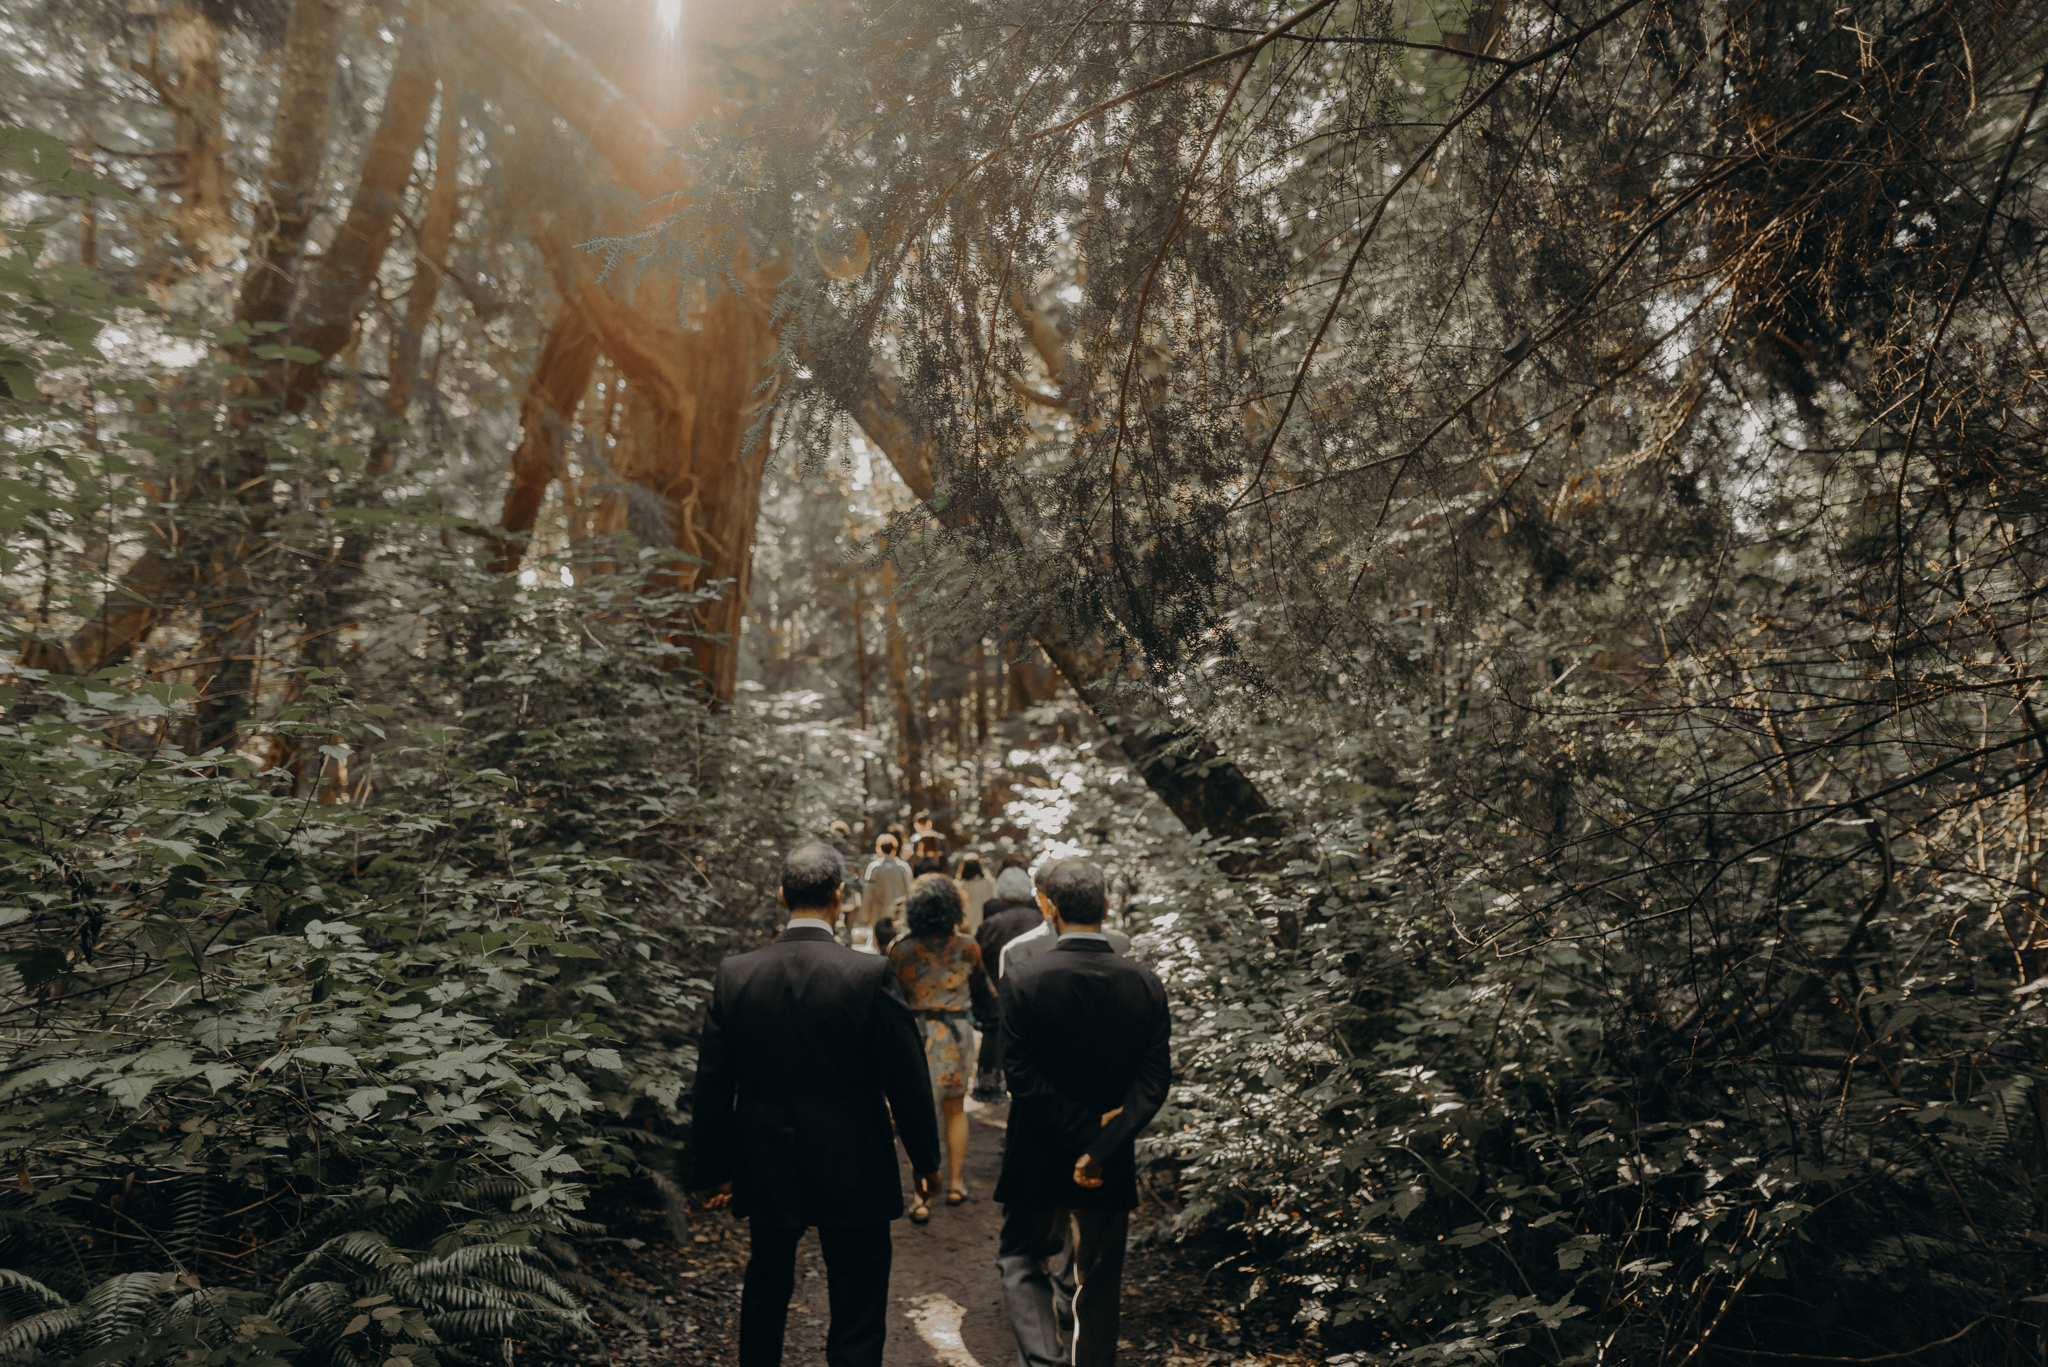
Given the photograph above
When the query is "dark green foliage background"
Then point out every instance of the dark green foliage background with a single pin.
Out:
(348, 1060)
(1632, 619)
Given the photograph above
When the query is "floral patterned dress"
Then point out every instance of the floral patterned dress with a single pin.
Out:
(944, 981)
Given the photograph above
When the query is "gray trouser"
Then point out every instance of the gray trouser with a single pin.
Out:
(1031, 1243)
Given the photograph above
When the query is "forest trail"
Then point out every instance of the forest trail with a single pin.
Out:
(945, 1306)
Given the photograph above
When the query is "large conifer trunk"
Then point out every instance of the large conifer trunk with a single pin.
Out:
(691, 362)
(698, 384)
(693, 385)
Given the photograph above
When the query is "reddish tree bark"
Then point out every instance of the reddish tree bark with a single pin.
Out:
(695, 359)
(298, 152)
(331, 301)
(560, 376)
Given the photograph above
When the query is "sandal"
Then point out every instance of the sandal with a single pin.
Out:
(920, 1215)
(956, 1198)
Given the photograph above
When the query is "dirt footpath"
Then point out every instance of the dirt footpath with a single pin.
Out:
(945, 1305)
(1182, 1307)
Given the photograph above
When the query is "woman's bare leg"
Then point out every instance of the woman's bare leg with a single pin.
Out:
(953, 1111)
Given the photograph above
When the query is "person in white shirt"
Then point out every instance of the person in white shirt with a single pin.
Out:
(976, 887)
(888, 882)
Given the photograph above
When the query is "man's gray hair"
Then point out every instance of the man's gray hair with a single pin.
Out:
(1077, 891)
(811, 874)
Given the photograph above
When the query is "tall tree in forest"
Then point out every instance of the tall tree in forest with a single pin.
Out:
(1635, 407)
(1201, 786)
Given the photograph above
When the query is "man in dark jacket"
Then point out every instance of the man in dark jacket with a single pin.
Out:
(1085, 1044)
(1011, 911)
(808, 1049)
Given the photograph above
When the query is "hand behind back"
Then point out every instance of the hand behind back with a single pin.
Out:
(1088, 1172)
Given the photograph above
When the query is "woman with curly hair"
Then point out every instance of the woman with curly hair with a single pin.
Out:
(941, 973)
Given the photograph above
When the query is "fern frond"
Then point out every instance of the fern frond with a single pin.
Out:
(120, 1306)
(356, 1252)
(489, 1190)
(467, 1326)
(40, 1332)
(317, 1303)
(15, 1281)
(190, 1311)
(2012, 1100)
(502, 1266)
(191, 1215)
(14, 1220)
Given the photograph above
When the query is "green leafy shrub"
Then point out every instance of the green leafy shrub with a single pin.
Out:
(284, 1041)
(336, 1043)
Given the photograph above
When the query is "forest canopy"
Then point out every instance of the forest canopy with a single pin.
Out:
(1511, 529)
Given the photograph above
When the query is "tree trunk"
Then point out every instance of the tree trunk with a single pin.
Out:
(333, 298)
(702, 385)
(1187, 771)
(860, 654)
(909, 735)
(567, 358)
(339, 591)
(231, 608)
(1206, 788)
(88, 212)
(298, 152)
(191, 89)
(430, 267)
(699, 385)
(980, 693)
(343, 283)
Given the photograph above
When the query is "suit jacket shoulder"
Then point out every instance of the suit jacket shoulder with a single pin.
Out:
(1085, 1031)
(808, 1037)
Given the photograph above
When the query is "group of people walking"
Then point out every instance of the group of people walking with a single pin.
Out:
(814, 1055)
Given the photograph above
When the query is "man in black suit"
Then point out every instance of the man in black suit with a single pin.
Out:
(1010, 911)
(1085, 1044)
(805, 1043)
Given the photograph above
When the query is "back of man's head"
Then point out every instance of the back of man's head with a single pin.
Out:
(1076, 890)
(1015, 859)
(885, 844)
(1014, 885)
(810, 875)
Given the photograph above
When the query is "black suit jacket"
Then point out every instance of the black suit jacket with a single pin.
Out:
(1085, 1030)
(804, 1040)
(1002, 922)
